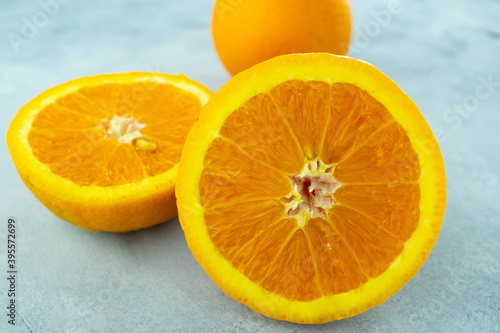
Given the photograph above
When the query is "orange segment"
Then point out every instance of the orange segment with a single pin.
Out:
(134, 96)
(374, 247)
(392, 207)
(75, 156)
(256, 258)
(174, 106)
(388, 157)
(60, 117)
(102, 152)
(306, 108)
(354, 116)
(292, 275)
(109, 96)
(262, 133)
(301, 193)
(123, 166)
(50, 145)
(89, 168)
(161, 159)
(336, 265)
(230, 176)
(249, 222)
(80, 103)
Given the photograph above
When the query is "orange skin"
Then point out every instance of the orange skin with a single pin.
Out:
(247, 32)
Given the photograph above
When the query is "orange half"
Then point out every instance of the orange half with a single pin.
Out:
(311, 188)
(102, 152)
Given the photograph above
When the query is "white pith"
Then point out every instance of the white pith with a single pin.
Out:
(126, 130)
(317, 185)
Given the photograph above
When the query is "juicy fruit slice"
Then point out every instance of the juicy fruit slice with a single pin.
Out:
(311, 188)
(314, 187)
(102, 152)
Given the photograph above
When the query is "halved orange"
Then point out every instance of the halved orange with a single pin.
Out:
(311, 188)
(102, 152)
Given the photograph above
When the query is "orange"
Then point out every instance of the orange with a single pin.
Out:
(311, 188)
(246, 32)
(102, 152)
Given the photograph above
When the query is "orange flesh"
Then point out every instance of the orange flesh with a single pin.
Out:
(70, 134)
(262, 148)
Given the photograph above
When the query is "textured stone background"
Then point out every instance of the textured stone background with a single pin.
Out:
(71, 280)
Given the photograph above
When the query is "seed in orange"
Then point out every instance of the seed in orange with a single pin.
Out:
(102, 152)
(246, 32)
(311, 188)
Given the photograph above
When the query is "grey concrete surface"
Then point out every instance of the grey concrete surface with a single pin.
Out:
(71, 280)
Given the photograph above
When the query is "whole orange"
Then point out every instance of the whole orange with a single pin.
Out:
(247, 32)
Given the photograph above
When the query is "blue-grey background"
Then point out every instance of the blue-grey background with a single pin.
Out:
(445, 54)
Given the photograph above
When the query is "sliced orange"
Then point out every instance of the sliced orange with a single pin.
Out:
(311, 188)
(102, 152)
